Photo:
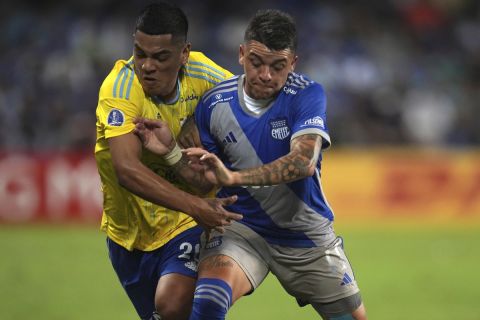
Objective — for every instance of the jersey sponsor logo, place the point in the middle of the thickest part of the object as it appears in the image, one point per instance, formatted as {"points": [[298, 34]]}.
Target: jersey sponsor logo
{"points": [[219, 99], [315, 121], [288, 90], [214, 242], [115, 118], [189, 98], [280, 129]]}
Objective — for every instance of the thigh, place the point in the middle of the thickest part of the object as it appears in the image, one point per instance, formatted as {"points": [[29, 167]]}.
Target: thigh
{"points": [[176, 269], [139, 288], [240, 244], [315, 275], [180, 255]]}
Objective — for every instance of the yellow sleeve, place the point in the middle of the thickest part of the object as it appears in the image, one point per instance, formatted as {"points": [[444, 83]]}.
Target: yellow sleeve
{"points": [[121, 100], [117, 116]]}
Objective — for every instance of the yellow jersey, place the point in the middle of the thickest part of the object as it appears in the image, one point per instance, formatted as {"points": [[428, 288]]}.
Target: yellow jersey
{"points": [[127, 219]]}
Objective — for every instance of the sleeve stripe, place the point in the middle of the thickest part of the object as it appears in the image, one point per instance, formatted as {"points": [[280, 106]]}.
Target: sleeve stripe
{"points": [[123, 74], [120, 74], [129, 87], [127, 71], [196, 63], [201, 77], [205, 71]]}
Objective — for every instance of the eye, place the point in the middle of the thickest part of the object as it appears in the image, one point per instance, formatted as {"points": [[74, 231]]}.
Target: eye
{"points": [[162, 58], [255, 62], [139, 54], [279, 67]]}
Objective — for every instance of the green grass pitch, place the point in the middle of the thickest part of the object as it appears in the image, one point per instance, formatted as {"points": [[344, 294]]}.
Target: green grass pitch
{"points": [[63, 272]]}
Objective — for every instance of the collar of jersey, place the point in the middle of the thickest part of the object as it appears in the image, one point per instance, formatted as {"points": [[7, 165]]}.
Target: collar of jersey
{"points": [[172, 101]]}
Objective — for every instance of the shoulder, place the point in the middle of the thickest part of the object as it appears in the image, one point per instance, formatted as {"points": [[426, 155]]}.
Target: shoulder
{"points": [[222, 92], [301, 84], [200, 66], [121, 82]]}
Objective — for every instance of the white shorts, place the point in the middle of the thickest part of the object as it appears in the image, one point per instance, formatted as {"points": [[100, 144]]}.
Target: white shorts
{"points": [[312, 275]]}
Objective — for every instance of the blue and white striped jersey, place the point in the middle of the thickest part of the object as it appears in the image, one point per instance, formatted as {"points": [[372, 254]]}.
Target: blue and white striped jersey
{"points": [[295, 214]]}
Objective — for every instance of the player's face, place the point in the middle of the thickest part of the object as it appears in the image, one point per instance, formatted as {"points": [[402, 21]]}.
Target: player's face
{"points": [[157, 62], [266, 71]]}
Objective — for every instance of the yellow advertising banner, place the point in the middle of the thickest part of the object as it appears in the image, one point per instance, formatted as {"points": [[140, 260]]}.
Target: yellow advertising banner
{"points": [[439, 184]]}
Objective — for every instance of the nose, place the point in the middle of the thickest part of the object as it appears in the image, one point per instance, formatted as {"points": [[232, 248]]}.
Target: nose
{"points": [[265, 74], [148, 66]]}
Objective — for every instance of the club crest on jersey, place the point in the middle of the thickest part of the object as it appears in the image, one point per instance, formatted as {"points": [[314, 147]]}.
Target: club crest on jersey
{"points": [[115, 118], [280, 129]]}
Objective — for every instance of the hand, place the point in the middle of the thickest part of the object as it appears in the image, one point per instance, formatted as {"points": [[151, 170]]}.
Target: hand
{"points": [[189, 136], [155, 135], [211, 214], [212, 167]]}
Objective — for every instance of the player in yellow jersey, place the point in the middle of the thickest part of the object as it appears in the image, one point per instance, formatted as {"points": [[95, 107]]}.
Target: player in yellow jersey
{"points": [[150, 216]]}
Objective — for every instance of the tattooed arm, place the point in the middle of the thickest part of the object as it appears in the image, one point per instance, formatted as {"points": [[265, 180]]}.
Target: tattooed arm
{"points": [[299, 163], [157, 137]]}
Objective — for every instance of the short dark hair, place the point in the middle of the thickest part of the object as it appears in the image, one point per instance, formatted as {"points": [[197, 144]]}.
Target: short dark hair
{"points": [[163, 18], [273, 28]]}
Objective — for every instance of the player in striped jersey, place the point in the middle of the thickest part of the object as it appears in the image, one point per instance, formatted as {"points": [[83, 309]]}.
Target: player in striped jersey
{"points": [[263, 133], [149, 215]]}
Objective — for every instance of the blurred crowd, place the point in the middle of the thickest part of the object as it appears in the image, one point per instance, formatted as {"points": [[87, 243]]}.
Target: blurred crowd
{"points": [[396, 72]]}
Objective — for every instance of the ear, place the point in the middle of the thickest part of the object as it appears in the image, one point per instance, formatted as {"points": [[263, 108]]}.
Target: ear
{"points": [[241, 54], [294, 63], [186, 53]]}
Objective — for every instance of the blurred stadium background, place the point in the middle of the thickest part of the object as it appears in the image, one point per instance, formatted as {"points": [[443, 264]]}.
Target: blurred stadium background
{"points": [[403, 85]]}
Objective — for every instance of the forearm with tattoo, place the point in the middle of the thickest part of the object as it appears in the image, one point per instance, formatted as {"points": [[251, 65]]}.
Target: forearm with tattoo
{"points": [[195, 179], [297, 164]]}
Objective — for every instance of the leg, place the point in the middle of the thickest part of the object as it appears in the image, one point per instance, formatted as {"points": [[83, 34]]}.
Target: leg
{"points": [[225, 268], [349, 308], [221, 282], [177, 274], [174, 296], [128, 266], [322, 277], [231, 266]]}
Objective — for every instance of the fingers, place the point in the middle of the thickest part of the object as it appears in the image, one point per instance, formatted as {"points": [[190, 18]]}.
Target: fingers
{"points": [[195, 152], [219, 229], [138, 120], [233, 216], [228, 201], [148, 123]]}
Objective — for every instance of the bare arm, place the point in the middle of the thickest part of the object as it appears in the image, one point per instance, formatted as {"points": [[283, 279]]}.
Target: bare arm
{"points": [[157, 137], [195, 179], [133, 175], [299, 163], [189, 136]]}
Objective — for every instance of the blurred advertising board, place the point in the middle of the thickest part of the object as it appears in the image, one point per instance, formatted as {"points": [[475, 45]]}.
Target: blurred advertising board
{"points": [[419, 184], [53, 187]]}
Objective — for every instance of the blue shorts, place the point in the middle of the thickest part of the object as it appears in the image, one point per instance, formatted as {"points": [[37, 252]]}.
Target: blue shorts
{"points": [[139, 271]]}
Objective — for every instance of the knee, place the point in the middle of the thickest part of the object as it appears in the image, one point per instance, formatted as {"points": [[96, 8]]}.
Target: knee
{"points": [[173, 310]]}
